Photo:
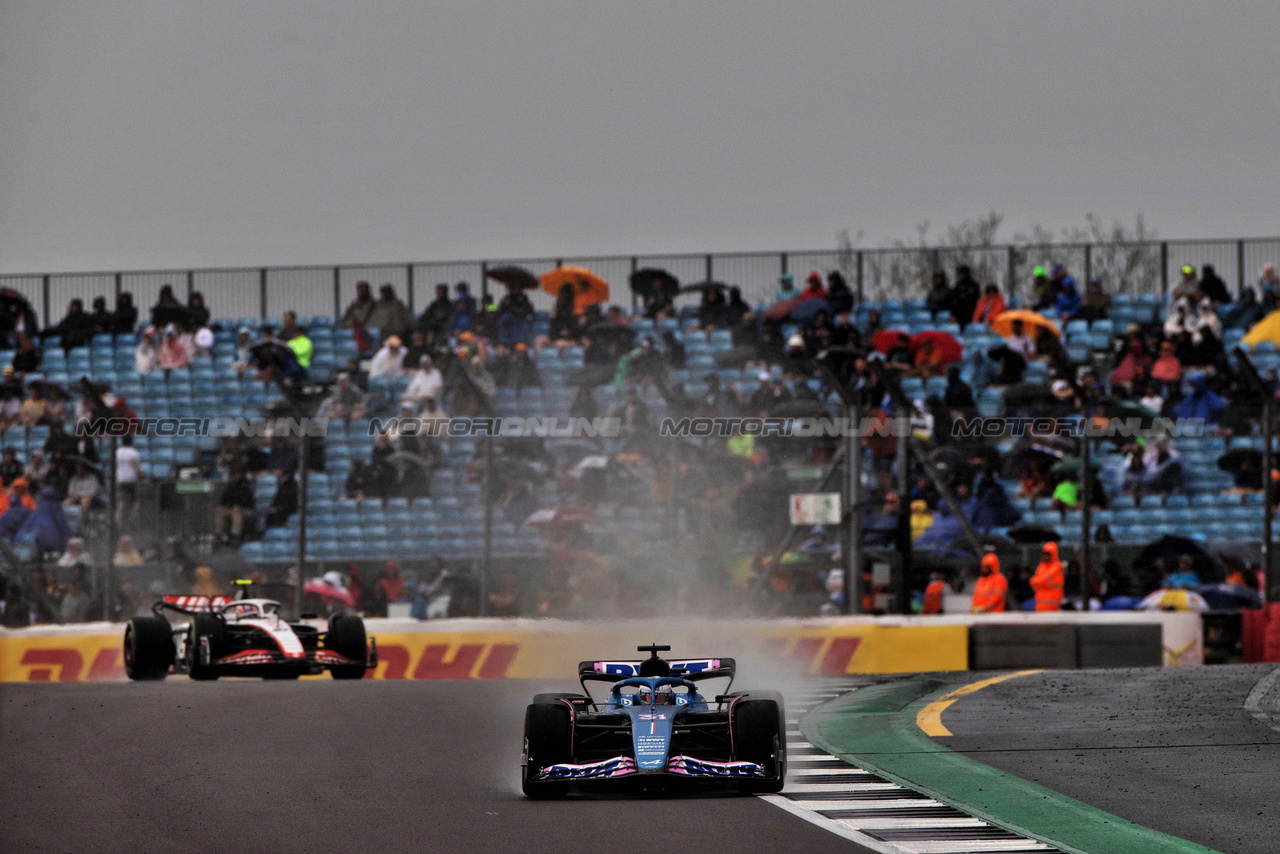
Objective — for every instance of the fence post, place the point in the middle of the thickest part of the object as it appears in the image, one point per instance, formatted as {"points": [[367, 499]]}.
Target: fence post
{"points": [[262, 294], [484, 279], [408, 269], [1011, 277], [337, 294], [1088, 264], [635, 265], [784, 264], [191, 283], [45, 282], [860, 290], [1164, 269], [120, 285], [1239, 267], [709, 269]]}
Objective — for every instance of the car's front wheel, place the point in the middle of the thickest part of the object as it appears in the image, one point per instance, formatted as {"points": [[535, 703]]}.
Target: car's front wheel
{"points": [[347, 638], [148, 648], [547, 741]]}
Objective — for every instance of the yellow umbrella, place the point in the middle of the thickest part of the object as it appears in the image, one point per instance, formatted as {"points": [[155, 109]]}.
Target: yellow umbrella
{"points": [[1266, 329], [588, 288], [1167, 599], [1003, 324]]}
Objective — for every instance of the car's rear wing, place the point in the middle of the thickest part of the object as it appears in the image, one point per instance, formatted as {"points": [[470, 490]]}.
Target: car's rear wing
{"points": [[191, 604], [693, 669]]}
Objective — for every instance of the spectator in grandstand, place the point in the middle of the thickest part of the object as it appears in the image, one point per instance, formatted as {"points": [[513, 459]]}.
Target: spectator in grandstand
{"points": [[1021, 341], [1068, 302], [27, 359], [584, 405], [965, 296], [299, 343], [84, 488], [1268, 287], [1246, 312], [515, 311], [125, 318], [200, 315], [389, 315], [813, 286], [673, 350], [1096, 304], [17, 495], [1201, 403], [524, 371], [786, 288], [1212, 287], [1167, 368], [76, 328], [1188, 286], [486, 323], [10, 466], [711, 309], [128, 475], [289, 326], [345, 402], [359, 309], [564, 329], [74, 607], [10, 399], [391, 587], [427, 382], [838, 293], [435, 321], [418, 347], [127, 553], [100, 317], [481, 378], [244, 352], [285, 502], [388, 362], [37, 470], [1208, 327], [958, 396], [463, 317], [990, 305], [736, 309], [173, 354], [770, 393], [35, 408]]}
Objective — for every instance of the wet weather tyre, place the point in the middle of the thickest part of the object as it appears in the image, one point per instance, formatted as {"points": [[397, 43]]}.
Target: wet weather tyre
{"points": [[547, 735], [759, 735], [148, 649], [205, 627], [347, 637]]}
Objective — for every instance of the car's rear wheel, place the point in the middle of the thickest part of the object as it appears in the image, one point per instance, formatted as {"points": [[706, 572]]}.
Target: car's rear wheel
{"points": [[210, 629], [547, 737], [148, 648], [759, 735], [347, 638]]}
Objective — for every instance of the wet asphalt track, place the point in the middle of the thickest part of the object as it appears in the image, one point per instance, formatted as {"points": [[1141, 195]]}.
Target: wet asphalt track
{"points": [[1170, 748], [314, 766]]}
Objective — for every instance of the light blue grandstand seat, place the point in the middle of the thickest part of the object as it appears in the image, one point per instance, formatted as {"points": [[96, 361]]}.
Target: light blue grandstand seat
{"points": [[1177, 501], [1203, 500], [251, 552]]}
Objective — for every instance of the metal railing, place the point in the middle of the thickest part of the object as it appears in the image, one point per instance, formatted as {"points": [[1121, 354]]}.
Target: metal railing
{"points": [[873, 274]]}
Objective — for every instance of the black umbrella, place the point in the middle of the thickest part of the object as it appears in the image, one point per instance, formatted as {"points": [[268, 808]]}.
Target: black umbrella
{"points": [[650, 280], [1171, 546], [952, 465], [699, 287], [516, 277], [1071, 466], [1034, 534], [1022, 459], [1229, 597], [14, 307], [165, 313], [89, 464], [1245, 466], [403, 459]]}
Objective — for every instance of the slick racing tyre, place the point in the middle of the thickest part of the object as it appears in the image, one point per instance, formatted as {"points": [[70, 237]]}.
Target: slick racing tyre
{"points": [[347, 638], [148, 648], [546, 742], [759, 735], [205, 627]]}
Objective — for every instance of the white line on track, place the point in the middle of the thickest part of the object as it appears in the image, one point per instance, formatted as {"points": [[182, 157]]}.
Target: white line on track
{"points": [[875, 813]]}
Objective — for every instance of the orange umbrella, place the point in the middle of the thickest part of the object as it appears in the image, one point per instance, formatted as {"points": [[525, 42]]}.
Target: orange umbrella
{"points": [[588, 288], [1031, 320]]}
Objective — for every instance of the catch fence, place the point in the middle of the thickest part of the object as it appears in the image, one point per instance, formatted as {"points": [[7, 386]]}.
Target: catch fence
{"points": [[873, 274]]}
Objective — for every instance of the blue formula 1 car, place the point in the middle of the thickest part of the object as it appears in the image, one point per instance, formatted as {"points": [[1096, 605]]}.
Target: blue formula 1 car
{"points": [[654, 730]]}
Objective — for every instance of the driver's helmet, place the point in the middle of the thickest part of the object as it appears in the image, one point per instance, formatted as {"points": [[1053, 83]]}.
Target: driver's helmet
{"points": [[664, 696], [644, 695], [242, 611]]}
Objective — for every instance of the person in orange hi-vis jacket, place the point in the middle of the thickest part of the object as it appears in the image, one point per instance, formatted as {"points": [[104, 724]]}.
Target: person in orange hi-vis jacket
{"points": [[1048, 581], [992, 589], [933, 594]]}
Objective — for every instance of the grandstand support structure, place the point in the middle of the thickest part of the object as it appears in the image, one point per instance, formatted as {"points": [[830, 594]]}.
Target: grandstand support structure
{"points": [[1085, 474]]}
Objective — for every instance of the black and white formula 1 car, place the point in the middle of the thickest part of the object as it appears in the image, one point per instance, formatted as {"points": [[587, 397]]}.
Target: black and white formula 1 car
{"points": [[218, 636], [654, 730]]}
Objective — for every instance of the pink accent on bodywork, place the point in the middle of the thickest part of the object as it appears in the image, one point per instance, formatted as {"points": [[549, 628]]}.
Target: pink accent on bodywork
{"points": [[573, 716], [732, 751]]}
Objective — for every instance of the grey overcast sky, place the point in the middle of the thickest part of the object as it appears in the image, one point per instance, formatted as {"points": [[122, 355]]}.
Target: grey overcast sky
{"points": [[209, 133]]}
